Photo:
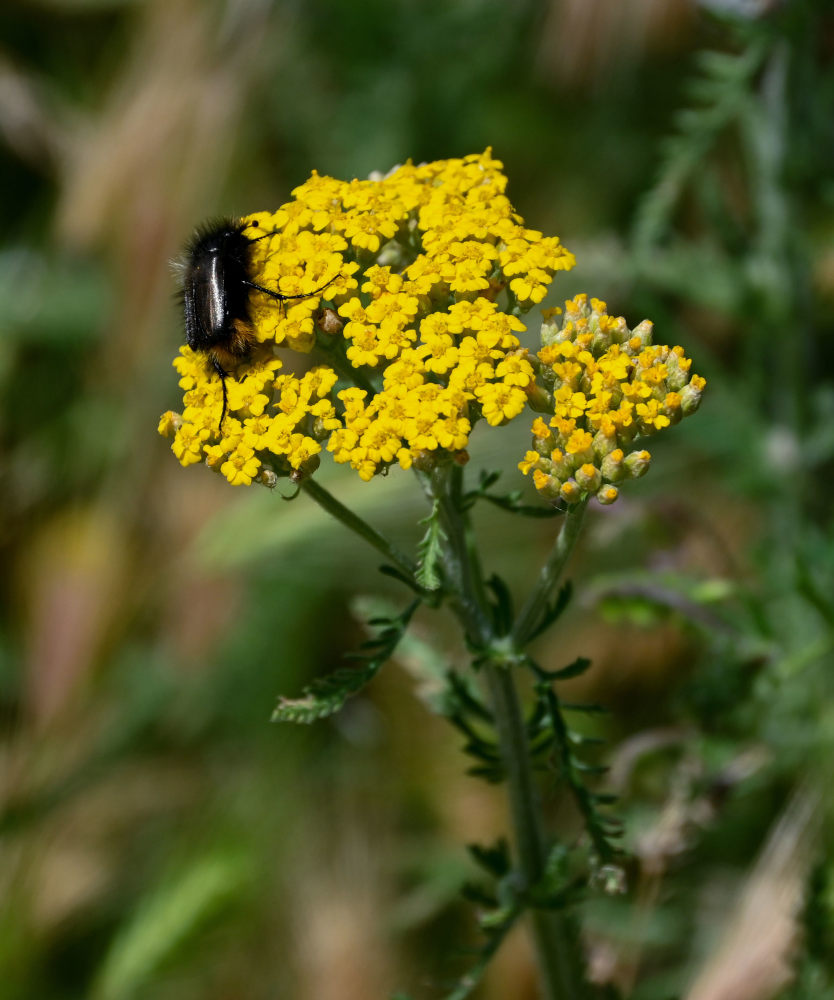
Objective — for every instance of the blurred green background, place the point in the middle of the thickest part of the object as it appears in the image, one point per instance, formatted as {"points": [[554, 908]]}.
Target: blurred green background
{"points": [[158, 837]]}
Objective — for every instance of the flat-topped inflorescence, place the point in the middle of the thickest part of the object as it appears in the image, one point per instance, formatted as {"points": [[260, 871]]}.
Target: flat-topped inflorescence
{"points": [[409, 291]]}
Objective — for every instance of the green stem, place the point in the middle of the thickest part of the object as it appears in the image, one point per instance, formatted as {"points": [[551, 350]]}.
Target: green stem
{"points": [[328, 502], [530, 615], [556, 941], [470, 551]]}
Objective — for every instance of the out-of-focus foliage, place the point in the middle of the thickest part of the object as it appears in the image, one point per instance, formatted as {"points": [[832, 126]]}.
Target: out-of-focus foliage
{"points": [[158, 837]]}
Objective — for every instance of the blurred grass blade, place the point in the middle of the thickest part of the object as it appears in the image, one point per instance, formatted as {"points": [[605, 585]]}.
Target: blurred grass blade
{"points": [[171, 914]]}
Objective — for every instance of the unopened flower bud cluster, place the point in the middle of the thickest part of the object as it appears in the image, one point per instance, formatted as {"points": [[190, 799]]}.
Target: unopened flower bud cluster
{"points": [[602, 387]]}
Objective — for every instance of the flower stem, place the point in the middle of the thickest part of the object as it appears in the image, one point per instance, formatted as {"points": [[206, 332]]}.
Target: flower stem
{"points": [[559, 954], [325, 499], [530, 615], [558, 950], [556, 941]]}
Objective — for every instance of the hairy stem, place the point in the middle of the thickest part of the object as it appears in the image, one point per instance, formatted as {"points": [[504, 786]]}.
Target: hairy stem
{"points": [[530, 615], [556, 943], [555, 937]]}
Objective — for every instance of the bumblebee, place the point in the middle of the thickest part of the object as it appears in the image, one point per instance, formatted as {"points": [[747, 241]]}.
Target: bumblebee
{"points": [[217, 283]]}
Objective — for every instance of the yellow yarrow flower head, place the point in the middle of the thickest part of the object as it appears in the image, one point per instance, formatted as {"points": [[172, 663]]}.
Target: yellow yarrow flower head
{"points": [[408, 290], [604, 387]]}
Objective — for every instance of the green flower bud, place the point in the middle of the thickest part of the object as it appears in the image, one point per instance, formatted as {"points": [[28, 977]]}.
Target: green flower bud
{"points": [[643, 332], [613, 467], [425, 461], [691, 395], [601, 342], [637, 463], [550, 326], [544, 441], [676, 377], [538, 399], [607, 495], [589, 477], [320, 431], [571, 491], [549, 486], [604, 444], [672, 407], [562, 464]]}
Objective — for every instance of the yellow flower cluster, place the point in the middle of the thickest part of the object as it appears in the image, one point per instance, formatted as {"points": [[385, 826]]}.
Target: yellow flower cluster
{"points": [[303, 408], [410, 289], [414, 285], [605, 386]]}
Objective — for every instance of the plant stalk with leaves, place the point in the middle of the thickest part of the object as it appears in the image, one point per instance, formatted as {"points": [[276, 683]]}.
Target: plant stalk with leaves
{"points": [[505, 744], [410, 292]]}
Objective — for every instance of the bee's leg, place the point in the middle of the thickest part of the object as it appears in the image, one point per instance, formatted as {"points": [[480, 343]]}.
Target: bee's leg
{"points": [[284, 298], [221, 371]]}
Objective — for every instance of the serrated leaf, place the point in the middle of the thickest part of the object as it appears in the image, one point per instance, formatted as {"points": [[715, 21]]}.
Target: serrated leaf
{"points": [[553, 610], [495, 925], [591, 769], [327, 694], [512, 502], [574, 669], [581, 740], [508, 501], [480, 895], [482, 751], [493, 775], [398, 574], [430, 550], [721, 90], [495, 858], [502, 607], [587, 708], [489, 478], [462, 699], [566, 764]]}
